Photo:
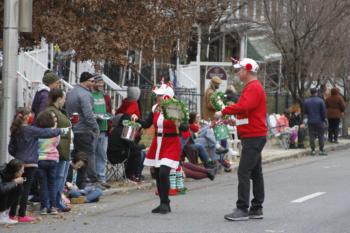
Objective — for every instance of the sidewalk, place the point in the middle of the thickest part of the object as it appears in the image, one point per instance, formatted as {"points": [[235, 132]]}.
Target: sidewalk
{"points": [[271, 153]]}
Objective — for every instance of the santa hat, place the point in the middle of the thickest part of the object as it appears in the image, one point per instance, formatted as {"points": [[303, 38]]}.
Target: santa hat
{"points": [[165, 90]]}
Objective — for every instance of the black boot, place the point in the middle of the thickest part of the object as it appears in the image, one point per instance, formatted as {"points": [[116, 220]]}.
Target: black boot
{"points": [[163, 208], [221, 150], [211, 174]]}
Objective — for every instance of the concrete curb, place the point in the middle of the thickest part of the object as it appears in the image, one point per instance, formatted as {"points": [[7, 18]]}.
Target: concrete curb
{"points": [[120, 190], [305, 152]]}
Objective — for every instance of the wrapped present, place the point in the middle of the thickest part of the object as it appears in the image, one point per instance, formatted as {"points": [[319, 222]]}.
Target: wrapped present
{"points": [[221, 132], [180, 186]]}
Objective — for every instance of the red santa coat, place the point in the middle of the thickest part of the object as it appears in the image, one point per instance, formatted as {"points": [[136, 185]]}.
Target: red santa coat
{"points": [[164, 150]]}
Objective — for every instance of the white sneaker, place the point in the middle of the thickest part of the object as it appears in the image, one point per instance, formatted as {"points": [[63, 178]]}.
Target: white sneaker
{"points": [[5, 219]]}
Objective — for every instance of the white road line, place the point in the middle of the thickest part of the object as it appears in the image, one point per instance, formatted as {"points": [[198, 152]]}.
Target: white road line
{"points": [[305, 198]]}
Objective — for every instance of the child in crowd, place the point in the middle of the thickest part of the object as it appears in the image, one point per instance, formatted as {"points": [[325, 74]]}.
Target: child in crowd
{"points": [[80, 196], [24, 147], [10, 188], [48, 160], [296, 120]]}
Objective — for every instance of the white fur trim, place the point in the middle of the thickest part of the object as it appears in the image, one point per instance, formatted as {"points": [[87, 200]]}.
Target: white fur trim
{"points": [[154, 107], [166, 162], [160, 121]]}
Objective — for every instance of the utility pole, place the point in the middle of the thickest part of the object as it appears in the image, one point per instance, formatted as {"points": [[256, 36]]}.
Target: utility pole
{"points": [[8, 100]]}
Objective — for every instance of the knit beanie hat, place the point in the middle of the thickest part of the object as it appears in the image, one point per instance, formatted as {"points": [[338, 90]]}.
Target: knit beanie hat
{"points": [[85, 76], [134, 93], [49, 78], [98, 78]]}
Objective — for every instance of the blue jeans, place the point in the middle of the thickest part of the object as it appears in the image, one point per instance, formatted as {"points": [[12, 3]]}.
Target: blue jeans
{"points": [[101, 156], [92, 194], [47, 173], [203, 154], [140, 167], [61, 177]]}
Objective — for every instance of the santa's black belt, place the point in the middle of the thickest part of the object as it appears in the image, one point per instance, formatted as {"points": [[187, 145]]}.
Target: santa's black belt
{"points": [[167, 135]]}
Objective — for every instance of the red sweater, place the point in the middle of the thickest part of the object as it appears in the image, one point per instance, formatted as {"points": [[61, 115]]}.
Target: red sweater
{"points": [[251, 105]]}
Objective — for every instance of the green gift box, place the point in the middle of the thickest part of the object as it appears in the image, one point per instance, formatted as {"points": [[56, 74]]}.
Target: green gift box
{"points": [[221, 132]]}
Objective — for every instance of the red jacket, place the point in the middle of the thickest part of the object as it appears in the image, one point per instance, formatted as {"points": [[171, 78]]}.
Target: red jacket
{"points": [[130, 107], [251, 105]]}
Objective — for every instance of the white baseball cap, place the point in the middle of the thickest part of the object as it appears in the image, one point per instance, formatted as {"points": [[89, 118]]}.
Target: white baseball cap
{"points": [[247, 64]]}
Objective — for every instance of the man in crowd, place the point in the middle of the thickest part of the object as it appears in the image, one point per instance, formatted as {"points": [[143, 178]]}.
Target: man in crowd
{"points": [[86, 130], [102, 105], [251, 125], [315, 109], [209, 110]]}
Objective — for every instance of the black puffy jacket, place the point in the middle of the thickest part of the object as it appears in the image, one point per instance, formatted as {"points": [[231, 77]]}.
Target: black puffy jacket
{"points": [[6, 185]]}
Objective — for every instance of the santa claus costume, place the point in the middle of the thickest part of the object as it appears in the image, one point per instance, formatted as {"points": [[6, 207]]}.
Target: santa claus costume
{"points": [[164, 152]]}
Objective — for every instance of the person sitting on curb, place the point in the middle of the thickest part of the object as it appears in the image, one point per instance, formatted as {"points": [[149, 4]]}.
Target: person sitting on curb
{"points": [[10, 188], [79, 196], [197, 172]]}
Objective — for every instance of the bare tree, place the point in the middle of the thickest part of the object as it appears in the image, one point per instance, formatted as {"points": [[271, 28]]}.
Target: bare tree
{"points": [[301, 30]]}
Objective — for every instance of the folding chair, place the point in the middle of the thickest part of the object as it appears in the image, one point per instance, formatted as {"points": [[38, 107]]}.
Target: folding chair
{"points": [[115, 168], [283, 136]]}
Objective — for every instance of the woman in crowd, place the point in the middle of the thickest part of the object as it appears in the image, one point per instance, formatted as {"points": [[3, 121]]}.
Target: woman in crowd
{"points": [[24, 146], [10, 188], [118, 147], [55, 105], [164, 152], [335, 110]]}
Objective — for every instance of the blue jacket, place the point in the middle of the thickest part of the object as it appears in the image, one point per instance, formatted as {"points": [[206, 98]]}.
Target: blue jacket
{"points": [[315, 109], [26, 143]]}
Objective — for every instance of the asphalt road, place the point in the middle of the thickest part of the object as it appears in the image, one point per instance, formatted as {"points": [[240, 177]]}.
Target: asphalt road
{"points": [[305, 195]]}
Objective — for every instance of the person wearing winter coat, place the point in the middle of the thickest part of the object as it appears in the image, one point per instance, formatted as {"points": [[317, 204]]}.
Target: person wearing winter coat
{"points": [[11, 181], [86, 130], [50, 81], [208, 108], [55, 105], [130, 105], [335, 110], [120, 149]]}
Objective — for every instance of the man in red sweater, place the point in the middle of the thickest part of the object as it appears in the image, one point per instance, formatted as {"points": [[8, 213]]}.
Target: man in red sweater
{"points": [[250, 111]]}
